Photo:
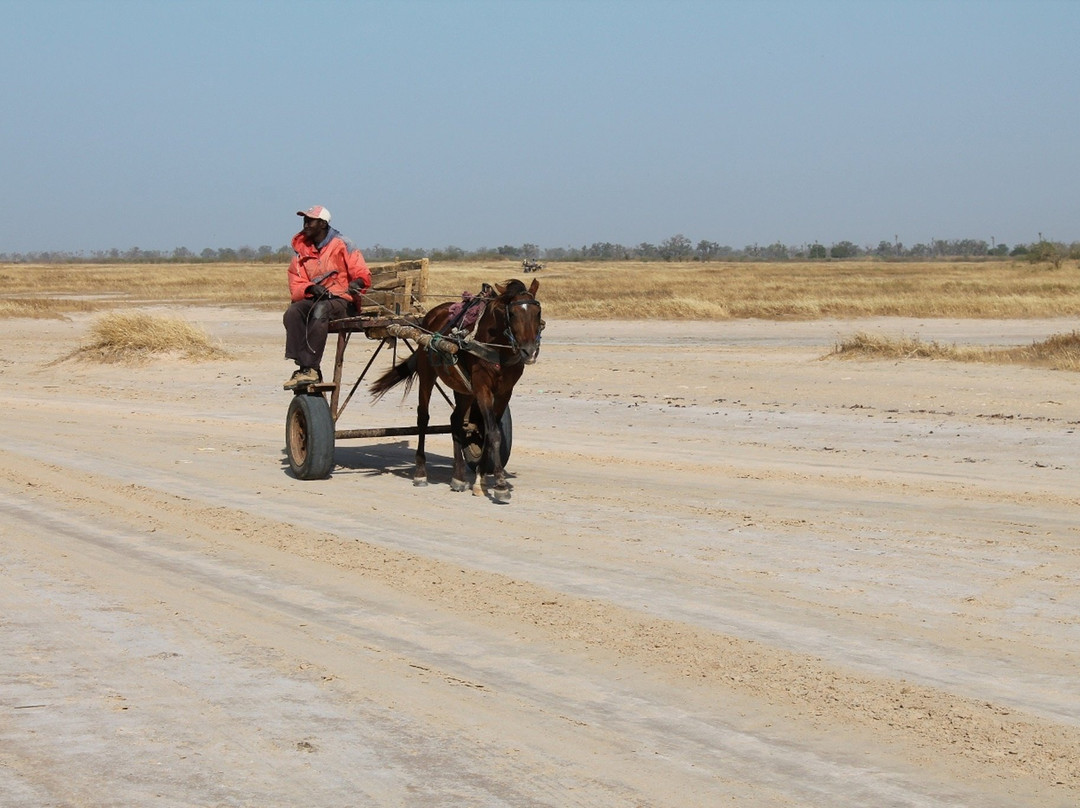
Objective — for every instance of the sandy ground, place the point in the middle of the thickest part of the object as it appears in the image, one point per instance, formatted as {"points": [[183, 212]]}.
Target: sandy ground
{"points": [[730, 573]]}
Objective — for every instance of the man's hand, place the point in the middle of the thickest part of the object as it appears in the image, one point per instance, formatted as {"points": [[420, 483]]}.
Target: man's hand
{"points": [[317, 291], [357, 287]]}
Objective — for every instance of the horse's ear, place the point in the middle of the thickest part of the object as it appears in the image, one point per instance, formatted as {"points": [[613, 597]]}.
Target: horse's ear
{"points": [[534, 286], [500, 288]]}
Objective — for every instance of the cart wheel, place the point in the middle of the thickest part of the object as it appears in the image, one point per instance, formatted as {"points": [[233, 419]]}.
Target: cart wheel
{"points": [[309, 437], [473, 444]]}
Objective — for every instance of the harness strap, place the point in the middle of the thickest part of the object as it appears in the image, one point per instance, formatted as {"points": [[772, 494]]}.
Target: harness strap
{"points": [[481, 350], [464, 378]]}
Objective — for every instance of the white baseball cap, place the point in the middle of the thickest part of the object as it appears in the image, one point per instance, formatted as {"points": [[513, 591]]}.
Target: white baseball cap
{"points": [[315, 212]]}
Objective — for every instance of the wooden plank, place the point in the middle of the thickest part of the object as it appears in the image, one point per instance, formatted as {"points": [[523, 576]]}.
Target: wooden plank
{"points": [[398, 288], [406, 294]]}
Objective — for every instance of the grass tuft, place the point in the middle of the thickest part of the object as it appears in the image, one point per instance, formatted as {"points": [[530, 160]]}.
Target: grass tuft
{"points": [[1057, 352], [134, 337], [873, 346]]}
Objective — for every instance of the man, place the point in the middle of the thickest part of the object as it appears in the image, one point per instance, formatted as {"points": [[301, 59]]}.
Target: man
{"points": [[327, 274]]}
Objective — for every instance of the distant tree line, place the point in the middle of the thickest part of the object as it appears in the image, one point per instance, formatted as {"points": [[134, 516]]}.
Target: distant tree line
{"points": [[181, 255], [675, 248]]}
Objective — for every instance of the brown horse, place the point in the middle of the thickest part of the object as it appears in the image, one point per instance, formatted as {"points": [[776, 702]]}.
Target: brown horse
{"points": [[487, 366]]}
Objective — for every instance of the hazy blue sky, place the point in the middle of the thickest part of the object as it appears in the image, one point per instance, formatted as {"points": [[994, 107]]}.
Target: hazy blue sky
{"points": [[557, 122]]}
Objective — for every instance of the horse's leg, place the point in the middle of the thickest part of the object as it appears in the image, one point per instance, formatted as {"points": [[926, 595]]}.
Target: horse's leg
{"points": [[478, 480], [492, 448], [459, 482], [427, 384]]}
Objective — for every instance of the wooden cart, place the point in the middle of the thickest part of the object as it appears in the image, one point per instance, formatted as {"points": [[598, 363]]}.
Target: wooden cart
{"points": [[390, 315]]}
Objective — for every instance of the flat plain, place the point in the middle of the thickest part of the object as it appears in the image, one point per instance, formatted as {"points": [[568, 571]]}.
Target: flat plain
{"points": [[732, 572]]}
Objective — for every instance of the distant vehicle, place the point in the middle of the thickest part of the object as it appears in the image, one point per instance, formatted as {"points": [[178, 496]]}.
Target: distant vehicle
{"points": [[531, 266]]}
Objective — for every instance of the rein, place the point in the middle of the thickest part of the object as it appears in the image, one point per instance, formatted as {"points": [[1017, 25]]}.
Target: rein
{"points": [[491, 352]]}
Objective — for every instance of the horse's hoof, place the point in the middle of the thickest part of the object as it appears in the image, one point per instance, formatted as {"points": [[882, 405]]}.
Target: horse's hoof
{"points": [[501, 494], [458, 485], [419, 482]]}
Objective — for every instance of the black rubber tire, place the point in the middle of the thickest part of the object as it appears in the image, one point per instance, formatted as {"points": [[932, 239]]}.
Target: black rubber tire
{"points": [[309, 437], [506, 431], [506, 427]]}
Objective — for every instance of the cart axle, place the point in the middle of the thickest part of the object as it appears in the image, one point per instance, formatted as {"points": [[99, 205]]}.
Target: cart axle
{"points": [[383, 432]]}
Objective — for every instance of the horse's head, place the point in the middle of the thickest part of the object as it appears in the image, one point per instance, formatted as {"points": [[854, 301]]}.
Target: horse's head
{"points": [[523, 320]]}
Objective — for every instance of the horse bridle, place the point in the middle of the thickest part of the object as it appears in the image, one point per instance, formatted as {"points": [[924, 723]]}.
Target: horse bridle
{"points": [[509, 332]]}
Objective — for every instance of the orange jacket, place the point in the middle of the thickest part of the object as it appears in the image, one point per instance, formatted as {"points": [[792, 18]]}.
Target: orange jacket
{"points": [[336, 255]]}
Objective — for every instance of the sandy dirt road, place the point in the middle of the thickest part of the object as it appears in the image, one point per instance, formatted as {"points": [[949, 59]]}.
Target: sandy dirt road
{"points": [[730, 573]]}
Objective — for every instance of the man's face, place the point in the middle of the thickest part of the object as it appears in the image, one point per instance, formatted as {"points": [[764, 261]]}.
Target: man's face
{"points": [[315, 230]]}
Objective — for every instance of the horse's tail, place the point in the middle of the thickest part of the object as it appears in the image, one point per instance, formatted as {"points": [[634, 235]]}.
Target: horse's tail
{"points": [[402, 372]]}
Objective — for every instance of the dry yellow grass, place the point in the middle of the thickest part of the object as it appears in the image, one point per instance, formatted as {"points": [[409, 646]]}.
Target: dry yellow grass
{"points": [[1057, 352], [786, 291], [133, 337], [37, 308], [610, 290], [67, 288], [600, 290]]}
